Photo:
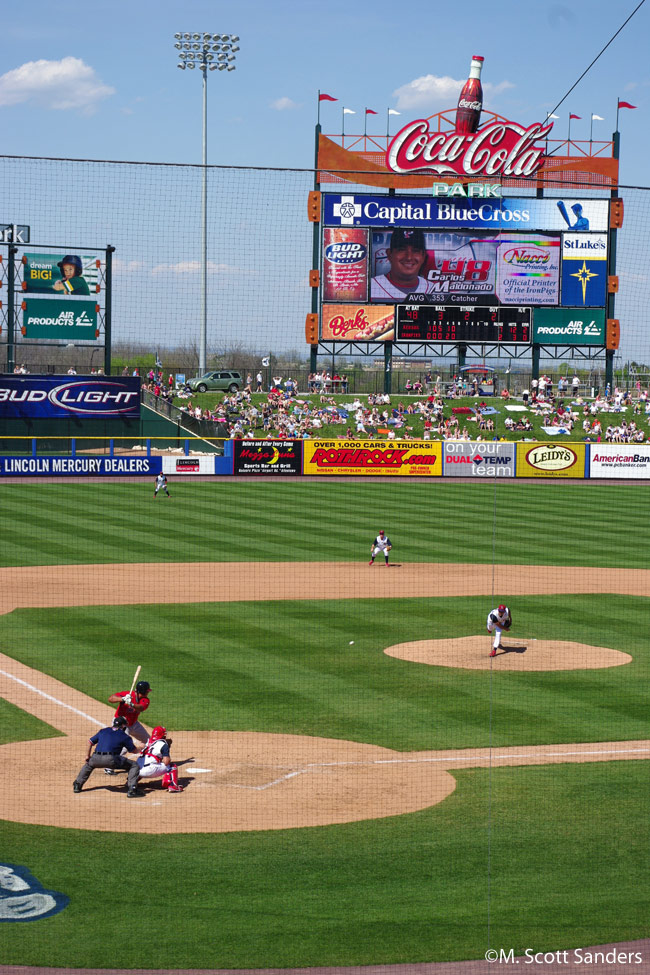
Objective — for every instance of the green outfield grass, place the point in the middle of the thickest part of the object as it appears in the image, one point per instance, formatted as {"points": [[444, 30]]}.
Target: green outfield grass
{"points": [[550, 856], [288, 667], [567, 867], [323, 520]]}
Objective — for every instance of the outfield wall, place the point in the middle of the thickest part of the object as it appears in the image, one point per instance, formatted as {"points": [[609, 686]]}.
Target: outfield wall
{"points": [[295, 458]]}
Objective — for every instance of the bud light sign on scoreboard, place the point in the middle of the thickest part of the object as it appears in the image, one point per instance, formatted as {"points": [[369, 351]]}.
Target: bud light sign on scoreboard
{"points": [[57, 396]]}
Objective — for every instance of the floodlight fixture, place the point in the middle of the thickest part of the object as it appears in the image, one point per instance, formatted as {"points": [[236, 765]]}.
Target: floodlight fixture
{"points": [[196, 53]]}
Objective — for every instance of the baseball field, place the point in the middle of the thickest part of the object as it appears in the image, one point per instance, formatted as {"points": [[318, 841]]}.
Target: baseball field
{"points": [[364, 784]]}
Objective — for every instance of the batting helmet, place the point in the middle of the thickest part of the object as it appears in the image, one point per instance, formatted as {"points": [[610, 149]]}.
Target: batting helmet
{"points": [[502, 608], [158, 733], [143, 686], [73, 259], [119, 722]]}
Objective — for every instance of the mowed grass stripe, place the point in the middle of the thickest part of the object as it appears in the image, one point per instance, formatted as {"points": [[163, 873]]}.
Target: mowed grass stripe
{"points": [[316, 520], [288, 667], [568, 867]]}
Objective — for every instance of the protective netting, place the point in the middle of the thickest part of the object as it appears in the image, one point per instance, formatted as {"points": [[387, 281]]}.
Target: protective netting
{"points": [[259, 249]]}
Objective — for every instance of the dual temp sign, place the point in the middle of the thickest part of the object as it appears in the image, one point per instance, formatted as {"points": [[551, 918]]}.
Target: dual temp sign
{"points": [[83, 396]]}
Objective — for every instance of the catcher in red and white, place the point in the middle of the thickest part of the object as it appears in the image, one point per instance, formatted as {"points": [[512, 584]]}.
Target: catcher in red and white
{"points": [[155, 761]]}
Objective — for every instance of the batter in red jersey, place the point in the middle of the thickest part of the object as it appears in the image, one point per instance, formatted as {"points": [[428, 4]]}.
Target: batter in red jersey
{"points": [[131, 704]]}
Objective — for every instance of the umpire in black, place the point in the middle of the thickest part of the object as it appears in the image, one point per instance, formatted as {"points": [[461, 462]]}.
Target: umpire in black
{"points": [[109, 744]]}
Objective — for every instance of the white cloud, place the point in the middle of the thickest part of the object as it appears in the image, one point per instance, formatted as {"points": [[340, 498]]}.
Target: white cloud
{"points": [[194, 267], [433, 92], [284, 103], [126, 267], [63, 85]]}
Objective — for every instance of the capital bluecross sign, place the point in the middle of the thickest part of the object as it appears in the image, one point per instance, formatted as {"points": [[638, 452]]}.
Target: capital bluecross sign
{"points": [[569, 326], [65, 319], [58, 396]]}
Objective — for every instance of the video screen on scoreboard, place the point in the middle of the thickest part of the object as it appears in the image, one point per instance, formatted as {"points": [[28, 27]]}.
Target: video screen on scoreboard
{"points": [[462, 267]]}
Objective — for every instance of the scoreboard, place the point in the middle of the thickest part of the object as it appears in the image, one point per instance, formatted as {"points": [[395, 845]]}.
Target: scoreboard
{"points": [[463, 323], [513, 270]]}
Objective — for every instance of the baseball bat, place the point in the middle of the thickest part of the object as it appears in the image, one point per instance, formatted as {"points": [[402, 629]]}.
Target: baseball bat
{"points": [[561, 207], [135, 677]]}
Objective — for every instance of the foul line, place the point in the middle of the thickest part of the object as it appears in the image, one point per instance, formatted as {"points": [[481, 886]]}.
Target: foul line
{"points": [[446, 759], [49, 697]]}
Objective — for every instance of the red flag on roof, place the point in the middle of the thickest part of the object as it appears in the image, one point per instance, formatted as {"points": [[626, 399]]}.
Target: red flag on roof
{"points": [[574, 116], [326, 98], [625, 105]]}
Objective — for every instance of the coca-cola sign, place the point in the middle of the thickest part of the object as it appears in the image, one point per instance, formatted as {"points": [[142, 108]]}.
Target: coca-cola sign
{"points": [[496, 149]]}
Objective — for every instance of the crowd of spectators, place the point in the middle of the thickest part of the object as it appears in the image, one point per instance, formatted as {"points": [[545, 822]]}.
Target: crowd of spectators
{"points": [[285, 414]]}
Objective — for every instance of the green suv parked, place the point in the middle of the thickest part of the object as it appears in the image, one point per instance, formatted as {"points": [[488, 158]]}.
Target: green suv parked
{"points": [[220, 379]]}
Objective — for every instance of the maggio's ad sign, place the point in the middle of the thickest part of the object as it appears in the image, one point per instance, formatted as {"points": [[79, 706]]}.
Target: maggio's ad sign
{"points": [[551, 460], [400, 457]]}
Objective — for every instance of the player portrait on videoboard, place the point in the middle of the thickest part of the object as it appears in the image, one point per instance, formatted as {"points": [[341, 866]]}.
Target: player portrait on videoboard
{"points": [[431, 267]]}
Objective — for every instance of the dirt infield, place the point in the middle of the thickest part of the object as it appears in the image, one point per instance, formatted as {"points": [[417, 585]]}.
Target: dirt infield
{"points": [[197, 582]]}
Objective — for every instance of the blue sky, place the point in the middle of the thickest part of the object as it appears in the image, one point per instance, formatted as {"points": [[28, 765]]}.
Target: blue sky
{"points": [[100, 80]]}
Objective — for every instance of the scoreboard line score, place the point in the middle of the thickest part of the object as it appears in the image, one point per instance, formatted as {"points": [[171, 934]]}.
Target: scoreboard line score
{"points": [[463, 323]]}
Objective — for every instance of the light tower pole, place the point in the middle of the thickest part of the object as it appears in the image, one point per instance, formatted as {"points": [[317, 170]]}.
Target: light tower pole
{"points": [[208, 52]]}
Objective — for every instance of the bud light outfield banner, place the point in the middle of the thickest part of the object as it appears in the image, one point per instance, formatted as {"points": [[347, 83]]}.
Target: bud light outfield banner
{"points": [[94, 397]]}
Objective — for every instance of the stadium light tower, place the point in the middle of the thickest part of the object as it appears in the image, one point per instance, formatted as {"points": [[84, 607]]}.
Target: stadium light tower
{"points": [[207, 52]]}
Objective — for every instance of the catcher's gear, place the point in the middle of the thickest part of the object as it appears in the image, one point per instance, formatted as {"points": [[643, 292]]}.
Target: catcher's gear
{"points": [[143, 687], [158, 733], [119, 722]]}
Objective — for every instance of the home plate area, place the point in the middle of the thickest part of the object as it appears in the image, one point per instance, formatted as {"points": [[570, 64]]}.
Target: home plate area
{"points": [[232, 781]]}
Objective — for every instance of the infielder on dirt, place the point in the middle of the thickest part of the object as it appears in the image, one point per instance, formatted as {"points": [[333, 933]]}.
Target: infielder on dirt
{"points": [[381, 543], [155, 761], [499, 619]]}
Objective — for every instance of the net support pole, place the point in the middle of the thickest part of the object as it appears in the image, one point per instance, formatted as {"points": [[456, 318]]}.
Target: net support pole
{"points": [[108, 308], [11, 307]]}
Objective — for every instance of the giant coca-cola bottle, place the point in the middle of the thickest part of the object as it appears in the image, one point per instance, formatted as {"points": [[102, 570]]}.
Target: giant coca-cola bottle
{"points": [[470, 102]]}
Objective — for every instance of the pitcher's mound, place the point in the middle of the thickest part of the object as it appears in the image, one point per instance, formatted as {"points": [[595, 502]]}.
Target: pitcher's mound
{"points": [[521, 653]]}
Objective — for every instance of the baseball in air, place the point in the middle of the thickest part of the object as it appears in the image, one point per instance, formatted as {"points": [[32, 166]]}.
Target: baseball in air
{"points": [[351, 642]]}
